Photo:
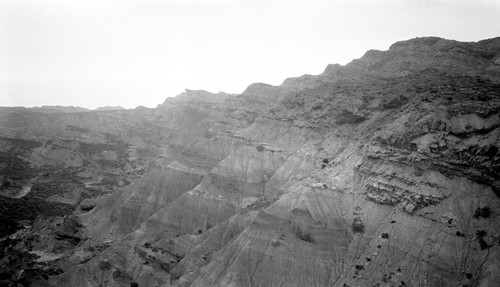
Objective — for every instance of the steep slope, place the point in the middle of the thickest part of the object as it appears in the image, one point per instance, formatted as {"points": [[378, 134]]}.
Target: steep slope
{"points": [[382, 172]]}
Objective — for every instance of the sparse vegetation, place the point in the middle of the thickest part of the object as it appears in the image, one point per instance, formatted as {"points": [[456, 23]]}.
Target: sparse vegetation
{"points": [[14, 210], [96, 148]]}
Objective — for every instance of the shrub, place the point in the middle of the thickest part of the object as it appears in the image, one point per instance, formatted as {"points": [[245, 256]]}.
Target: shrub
{"points": [[394, 102], [484, 212], [317, 108], [481, 233], [482, 243], [105, 265], [492, 151], [357, 226], [304, 236], [260, 148]]}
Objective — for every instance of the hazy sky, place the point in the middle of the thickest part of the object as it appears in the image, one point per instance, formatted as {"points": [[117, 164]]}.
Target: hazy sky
{"points": [[139, 52]]}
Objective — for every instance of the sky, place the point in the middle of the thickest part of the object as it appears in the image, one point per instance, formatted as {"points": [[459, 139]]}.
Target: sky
{"points": [[94, 53]]}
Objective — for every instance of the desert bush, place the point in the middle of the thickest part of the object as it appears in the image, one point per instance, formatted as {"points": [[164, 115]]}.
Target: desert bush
{"points": [[260, 148], [317, 108], [105, 265], [484, 212], [302, 235], [357, 226], [276, 243], [480, 237]]}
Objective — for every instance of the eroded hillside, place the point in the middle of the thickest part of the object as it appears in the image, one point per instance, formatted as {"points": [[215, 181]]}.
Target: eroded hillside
{"points": [[382, 172]]}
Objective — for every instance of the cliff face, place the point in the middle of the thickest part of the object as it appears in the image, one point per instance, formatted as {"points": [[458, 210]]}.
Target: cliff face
{"points": [[383, 172]]}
